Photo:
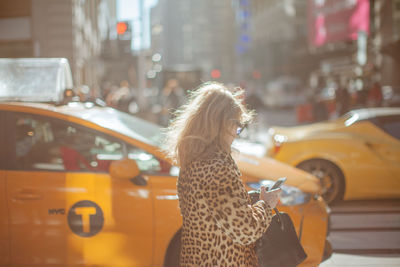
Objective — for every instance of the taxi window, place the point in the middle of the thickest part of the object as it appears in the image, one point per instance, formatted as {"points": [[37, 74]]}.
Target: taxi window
{"points": [[389, 124], [34, 145], [54, 145]]}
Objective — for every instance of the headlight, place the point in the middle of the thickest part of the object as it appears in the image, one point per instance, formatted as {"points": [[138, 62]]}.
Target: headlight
{"points": [[289, 196]]}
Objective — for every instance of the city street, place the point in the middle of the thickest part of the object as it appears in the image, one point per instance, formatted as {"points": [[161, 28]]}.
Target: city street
{"points": [[128, 135], [127, 128]]}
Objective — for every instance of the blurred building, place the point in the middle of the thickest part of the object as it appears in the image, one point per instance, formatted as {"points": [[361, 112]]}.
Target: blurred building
{"points": [[386, 41], [196, 34], [338, 33], [345, 43], [74, 29], [272, 35], [355, 42]]}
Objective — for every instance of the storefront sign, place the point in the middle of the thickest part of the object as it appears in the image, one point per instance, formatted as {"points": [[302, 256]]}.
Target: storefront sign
{"points": [[336, 20]]}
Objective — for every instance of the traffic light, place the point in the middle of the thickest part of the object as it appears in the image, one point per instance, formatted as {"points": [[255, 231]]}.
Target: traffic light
{"points": [[124, 30], [256, 74], [215, 73], [122, 27]]}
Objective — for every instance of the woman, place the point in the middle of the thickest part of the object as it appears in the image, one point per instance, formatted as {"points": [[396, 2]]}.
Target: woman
{"points": [[220, 225]]}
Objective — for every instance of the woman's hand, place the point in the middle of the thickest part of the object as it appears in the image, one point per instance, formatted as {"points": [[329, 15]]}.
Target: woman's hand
{"points": [[270, 197]]}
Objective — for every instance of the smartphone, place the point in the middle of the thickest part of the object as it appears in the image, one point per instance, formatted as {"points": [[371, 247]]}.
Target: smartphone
{"points": [[278, 183]]}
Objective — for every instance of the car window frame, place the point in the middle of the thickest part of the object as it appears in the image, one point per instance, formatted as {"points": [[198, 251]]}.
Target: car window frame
{"points": [[3, 143], [10, 124], [9, 140]]}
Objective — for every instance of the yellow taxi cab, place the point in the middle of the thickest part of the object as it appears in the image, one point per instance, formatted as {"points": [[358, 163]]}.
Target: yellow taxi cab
{"points": [[356, 156], [88, 185]]}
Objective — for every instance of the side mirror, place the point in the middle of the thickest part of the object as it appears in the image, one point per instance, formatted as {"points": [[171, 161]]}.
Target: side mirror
{"points": [[124, 169]]}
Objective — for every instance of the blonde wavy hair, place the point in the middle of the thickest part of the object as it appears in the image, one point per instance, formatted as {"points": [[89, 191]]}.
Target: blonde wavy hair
{"points": [[202, 125]]}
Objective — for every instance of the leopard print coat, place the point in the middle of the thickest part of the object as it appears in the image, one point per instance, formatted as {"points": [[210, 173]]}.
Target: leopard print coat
{"points": [[220, 225]]}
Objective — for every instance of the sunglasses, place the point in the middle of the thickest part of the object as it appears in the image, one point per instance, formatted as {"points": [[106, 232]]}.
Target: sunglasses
{"points": [[240, 128]]}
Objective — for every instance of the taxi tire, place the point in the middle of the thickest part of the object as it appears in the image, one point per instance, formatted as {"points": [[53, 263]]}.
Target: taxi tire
{"points": [[173, 251], [327, 166]]}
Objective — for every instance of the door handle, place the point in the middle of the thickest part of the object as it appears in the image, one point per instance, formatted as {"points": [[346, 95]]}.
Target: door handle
{"points": [[372, 146], [139, 180], [27, 195]]}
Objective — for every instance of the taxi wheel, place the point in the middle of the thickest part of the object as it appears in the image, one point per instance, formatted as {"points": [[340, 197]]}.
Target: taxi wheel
{"points": [[331, 178], [173, 251]]}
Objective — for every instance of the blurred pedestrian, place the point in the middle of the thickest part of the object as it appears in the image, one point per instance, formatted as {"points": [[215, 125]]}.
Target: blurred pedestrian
{"points": [[106, 90], [253, 99], [375, 96], [83, 93], [304, 111], [342, 99], [319, 108], [172, 96], [220, 225], [362, 96], [123, 98]]}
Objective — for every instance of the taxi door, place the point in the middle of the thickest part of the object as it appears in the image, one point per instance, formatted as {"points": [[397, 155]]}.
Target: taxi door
{"points": [[4, 227], [64, 207]]}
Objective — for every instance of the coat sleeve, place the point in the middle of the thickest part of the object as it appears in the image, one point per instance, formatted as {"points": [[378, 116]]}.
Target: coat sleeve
{"points": [[242, 222]]}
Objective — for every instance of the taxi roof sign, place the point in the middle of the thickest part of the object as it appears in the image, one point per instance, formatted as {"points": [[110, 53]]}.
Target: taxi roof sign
{"points": [[34, 79]]}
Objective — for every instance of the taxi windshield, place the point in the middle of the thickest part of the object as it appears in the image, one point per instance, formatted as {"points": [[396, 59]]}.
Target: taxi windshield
{"points": [[116, 121], [150, 131]]}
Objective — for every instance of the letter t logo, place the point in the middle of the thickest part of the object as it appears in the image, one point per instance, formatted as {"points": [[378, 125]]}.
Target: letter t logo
{"points": [[85, 213]]}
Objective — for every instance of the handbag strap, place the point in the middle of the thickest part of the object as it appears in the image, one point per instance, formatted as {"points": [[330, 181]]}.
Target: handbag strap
{"points": [[301, 227], [279, 218], [277, 212]]}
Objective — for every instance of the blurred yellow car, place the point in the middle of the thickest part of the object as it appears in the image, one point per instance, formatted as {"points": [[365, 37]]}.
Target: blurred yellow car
{"points": [[356, 156], [88, 185]]}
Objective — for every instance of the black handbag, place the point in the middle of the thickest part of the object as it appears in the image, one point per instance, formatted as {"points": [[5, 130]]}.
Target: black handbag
{"points": [[279, 246]]}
